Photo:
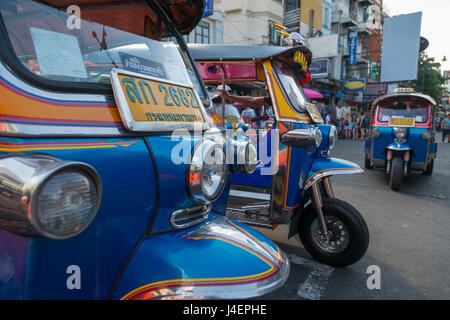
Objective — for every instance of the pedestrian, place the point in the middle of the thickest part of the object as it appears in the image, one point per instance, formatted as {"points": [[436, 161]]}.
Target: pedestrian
{"points": [[328, 118], [348, 126], [340, 127], [446, 129], [356, 126], [364, 125]]}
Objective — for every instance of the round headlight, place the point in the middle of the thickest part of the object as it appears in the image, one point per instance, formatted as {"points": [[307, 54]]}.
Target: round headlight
{"points": [[207, 172], [243, 155], [400, 133], [251, 158], [426, 135], [317, 134], [66, 204], [332, 137], [376, 133]]}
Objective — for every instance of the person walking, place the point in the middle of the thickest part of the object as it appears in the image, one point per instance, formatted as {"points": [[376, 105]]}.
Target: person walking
{"points": [[446, 129], [328, 118], [347, 126], [355, 127], [364, 125]]}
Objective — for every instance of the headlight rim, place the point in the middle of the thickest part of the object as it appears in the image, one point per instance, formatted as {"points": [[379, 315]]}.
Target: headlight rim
{"points": [[33, 188], [333, 130], [399, 131], [198, 196]]}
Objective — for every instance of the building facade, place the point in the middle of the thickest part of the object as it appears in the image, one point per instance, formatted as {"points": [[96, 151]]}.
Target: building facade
{"points": [[210, 30], [250, 21], [347, 52]]}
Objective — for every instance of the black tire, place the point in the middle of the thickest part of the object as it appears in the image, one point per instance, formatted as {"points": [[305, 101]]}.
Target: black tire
{"points": [[358, 233], [396, 177], [367, 164], [429, 170]]}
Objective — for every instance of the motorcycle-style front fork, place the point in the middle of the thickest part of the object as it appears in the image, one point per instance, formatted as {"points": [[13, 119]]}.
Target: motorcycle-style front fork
{"points": [[406, 158], [319, 189]]}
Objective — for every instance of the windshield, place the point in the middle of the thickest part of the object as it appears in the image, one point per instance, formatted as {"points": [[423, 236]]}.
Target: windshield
{"points": [[230, 111], [291, 85], [129, 35], [401, 109]]}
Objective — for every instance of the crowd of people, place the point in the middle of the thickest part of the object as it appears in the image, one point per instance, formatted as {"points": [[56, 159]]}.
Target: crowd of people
{"points": [[350, 125]]}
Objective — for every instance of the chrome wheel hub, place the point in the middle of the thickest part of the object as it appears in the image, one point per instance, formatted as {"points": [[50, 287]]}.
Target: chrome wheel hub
{"points": [[338, 236]]}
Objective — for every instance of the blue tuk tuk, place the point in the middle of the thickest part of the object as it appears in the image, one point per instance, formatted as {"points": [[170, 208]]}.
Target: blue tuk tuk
{"points": [[291, 184], [402, 135], [99, 198]]}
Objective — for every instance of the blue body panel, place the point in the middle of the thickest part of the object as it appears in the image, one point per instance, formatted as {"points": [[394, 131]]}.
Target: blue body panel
{"points": [[200, 258], [302, 164], [399, 146], [37, 266], [376, 149]]}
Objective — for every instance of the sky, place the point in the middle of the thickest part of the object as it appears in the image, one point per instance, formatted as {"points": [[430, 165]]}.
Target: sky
{"points": [[435, 24]]}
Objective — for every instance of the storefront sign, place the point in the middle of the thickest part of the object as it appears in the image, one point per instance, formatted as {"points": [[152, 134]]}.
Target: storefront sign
{"points": [[373, 91], [352, 46], [319, 68], [354, 85], [209, 8]]}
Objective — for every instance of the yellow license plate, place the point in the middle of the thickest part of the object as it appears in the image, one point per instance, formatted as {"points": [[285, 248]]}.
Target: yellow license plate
{"points": [[402, 122], [151, 100]]}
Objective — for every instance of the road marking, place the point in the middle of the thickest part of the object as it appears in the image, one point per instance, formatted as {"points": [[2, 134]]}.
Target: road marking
{"points": [[316, 282]]}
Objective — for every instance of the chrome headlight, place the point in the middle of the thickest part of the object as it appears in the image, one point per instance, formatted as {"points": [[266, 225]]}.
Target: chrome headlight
{"points": [[332, 137], [400, 133], [426, 135], [207, 172], [376, 133], [58, 199], [302, 138], [243, 155]]}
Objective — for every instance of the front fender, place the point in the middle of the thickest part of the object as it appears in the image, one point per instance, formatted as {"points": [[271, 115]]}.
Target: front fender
{"points": [[218, 259], [323, 167], [399, 146]]}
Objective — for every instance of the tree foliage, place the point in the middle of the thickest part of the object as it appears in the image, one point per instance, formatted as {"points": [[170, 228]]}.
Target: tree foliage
{"points": [[429, 78]]}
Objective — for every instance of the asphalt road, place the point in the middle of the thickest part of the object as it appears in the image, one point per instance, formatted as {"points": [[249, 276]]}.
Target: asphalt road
{"points": [[409, 237]]}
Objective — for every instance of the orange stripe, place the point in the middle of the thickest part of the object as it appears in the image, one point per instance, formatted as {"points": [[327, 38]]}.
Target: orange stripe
{"points": [[14, 104]]}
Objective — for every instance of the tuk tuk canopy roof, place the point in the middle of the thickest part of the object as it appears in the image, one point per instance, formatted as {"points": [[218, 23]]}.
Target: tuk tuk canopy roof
{"points": [[219, 52], [409, 95]]}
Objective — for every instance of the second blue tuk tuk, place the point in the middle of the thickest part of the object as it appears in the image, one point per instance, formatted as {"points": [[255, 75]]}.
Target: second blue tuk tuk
{"points": [[402, 135]]}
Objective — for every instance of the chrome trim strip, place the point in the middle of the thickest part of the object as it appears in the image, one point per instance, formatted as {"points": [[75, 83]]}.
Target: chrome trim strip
{"points": [[247, 194], [398, 148], [331, 172], [194, 214]]}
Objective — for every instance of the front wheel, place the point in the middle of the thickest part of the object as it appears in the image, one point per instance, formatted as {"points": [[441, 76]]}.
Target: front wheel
{"points": [[396, 173], [367, 164], [429, 170], [347, 230]]}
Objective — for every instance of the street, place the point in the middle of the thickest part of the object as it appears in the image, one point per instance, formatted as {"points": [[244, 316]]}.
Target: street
{"points": [[409, 237]]}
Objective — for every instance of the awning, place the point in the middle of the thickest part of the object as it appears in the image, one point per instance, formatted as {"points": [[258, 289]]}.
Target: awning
{"points": [[312, 94]]}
